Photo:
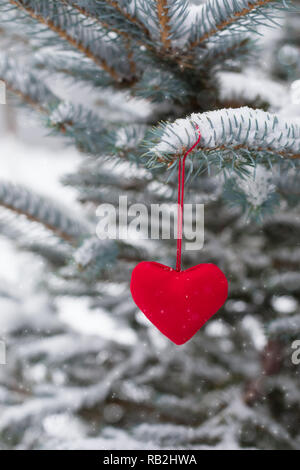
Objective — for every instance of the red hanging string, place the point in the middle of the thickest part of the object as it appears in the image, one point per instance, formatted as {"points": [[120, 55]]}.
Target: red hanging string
{"points": [[181, 172]]}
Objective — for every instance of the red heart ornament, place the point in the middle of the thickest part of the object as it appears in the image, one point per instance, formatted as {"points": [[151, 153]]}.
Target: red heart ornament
{"points": [[178, 303]]}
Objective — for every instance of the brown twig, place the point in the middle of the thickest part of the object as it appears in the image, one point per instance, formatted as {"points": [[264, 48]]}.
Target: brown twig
{"points": [[223, 147], [271, 363], [163, 18]]}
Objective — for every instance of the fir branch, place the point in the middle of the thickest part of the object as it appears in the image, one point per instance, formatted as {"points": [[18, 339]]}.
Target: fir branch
{"points": [[38, 209], [83, 11], [95, 256], [243, 129], [81, 125], [158, 85], [67, 37], [219, 15], [26, 99], [73, 66], [28, 87], [237, 46]]}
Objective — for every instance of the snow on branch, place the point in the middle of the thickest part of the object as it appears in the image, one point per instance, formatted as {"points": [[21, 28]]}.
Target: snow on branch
{"points": [[216, 16], [233, 129], [248, 88]]}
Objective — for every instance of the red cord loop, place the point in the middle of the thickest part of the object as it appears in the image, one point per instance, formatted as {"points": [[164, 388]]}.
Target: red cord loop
{"points": [[181, 172]]}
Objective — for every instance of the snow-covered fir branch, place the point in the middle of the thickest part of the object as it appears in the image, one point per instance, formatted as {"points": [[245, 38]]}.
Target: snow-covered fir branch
{"points": [[244, 128]]}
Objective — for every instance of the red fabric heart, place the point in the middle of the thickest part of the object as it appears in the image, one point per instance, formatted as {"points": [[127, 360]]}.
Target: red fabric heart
{"points": [[178, 303]]}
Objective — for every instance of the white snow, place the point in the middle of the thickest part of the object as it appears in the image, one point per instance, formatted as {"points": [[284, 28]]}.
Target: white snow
{"points": [[78, 315], [130, 137], [248, 85], [39, 167], [284, 304], [257, 187]]}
